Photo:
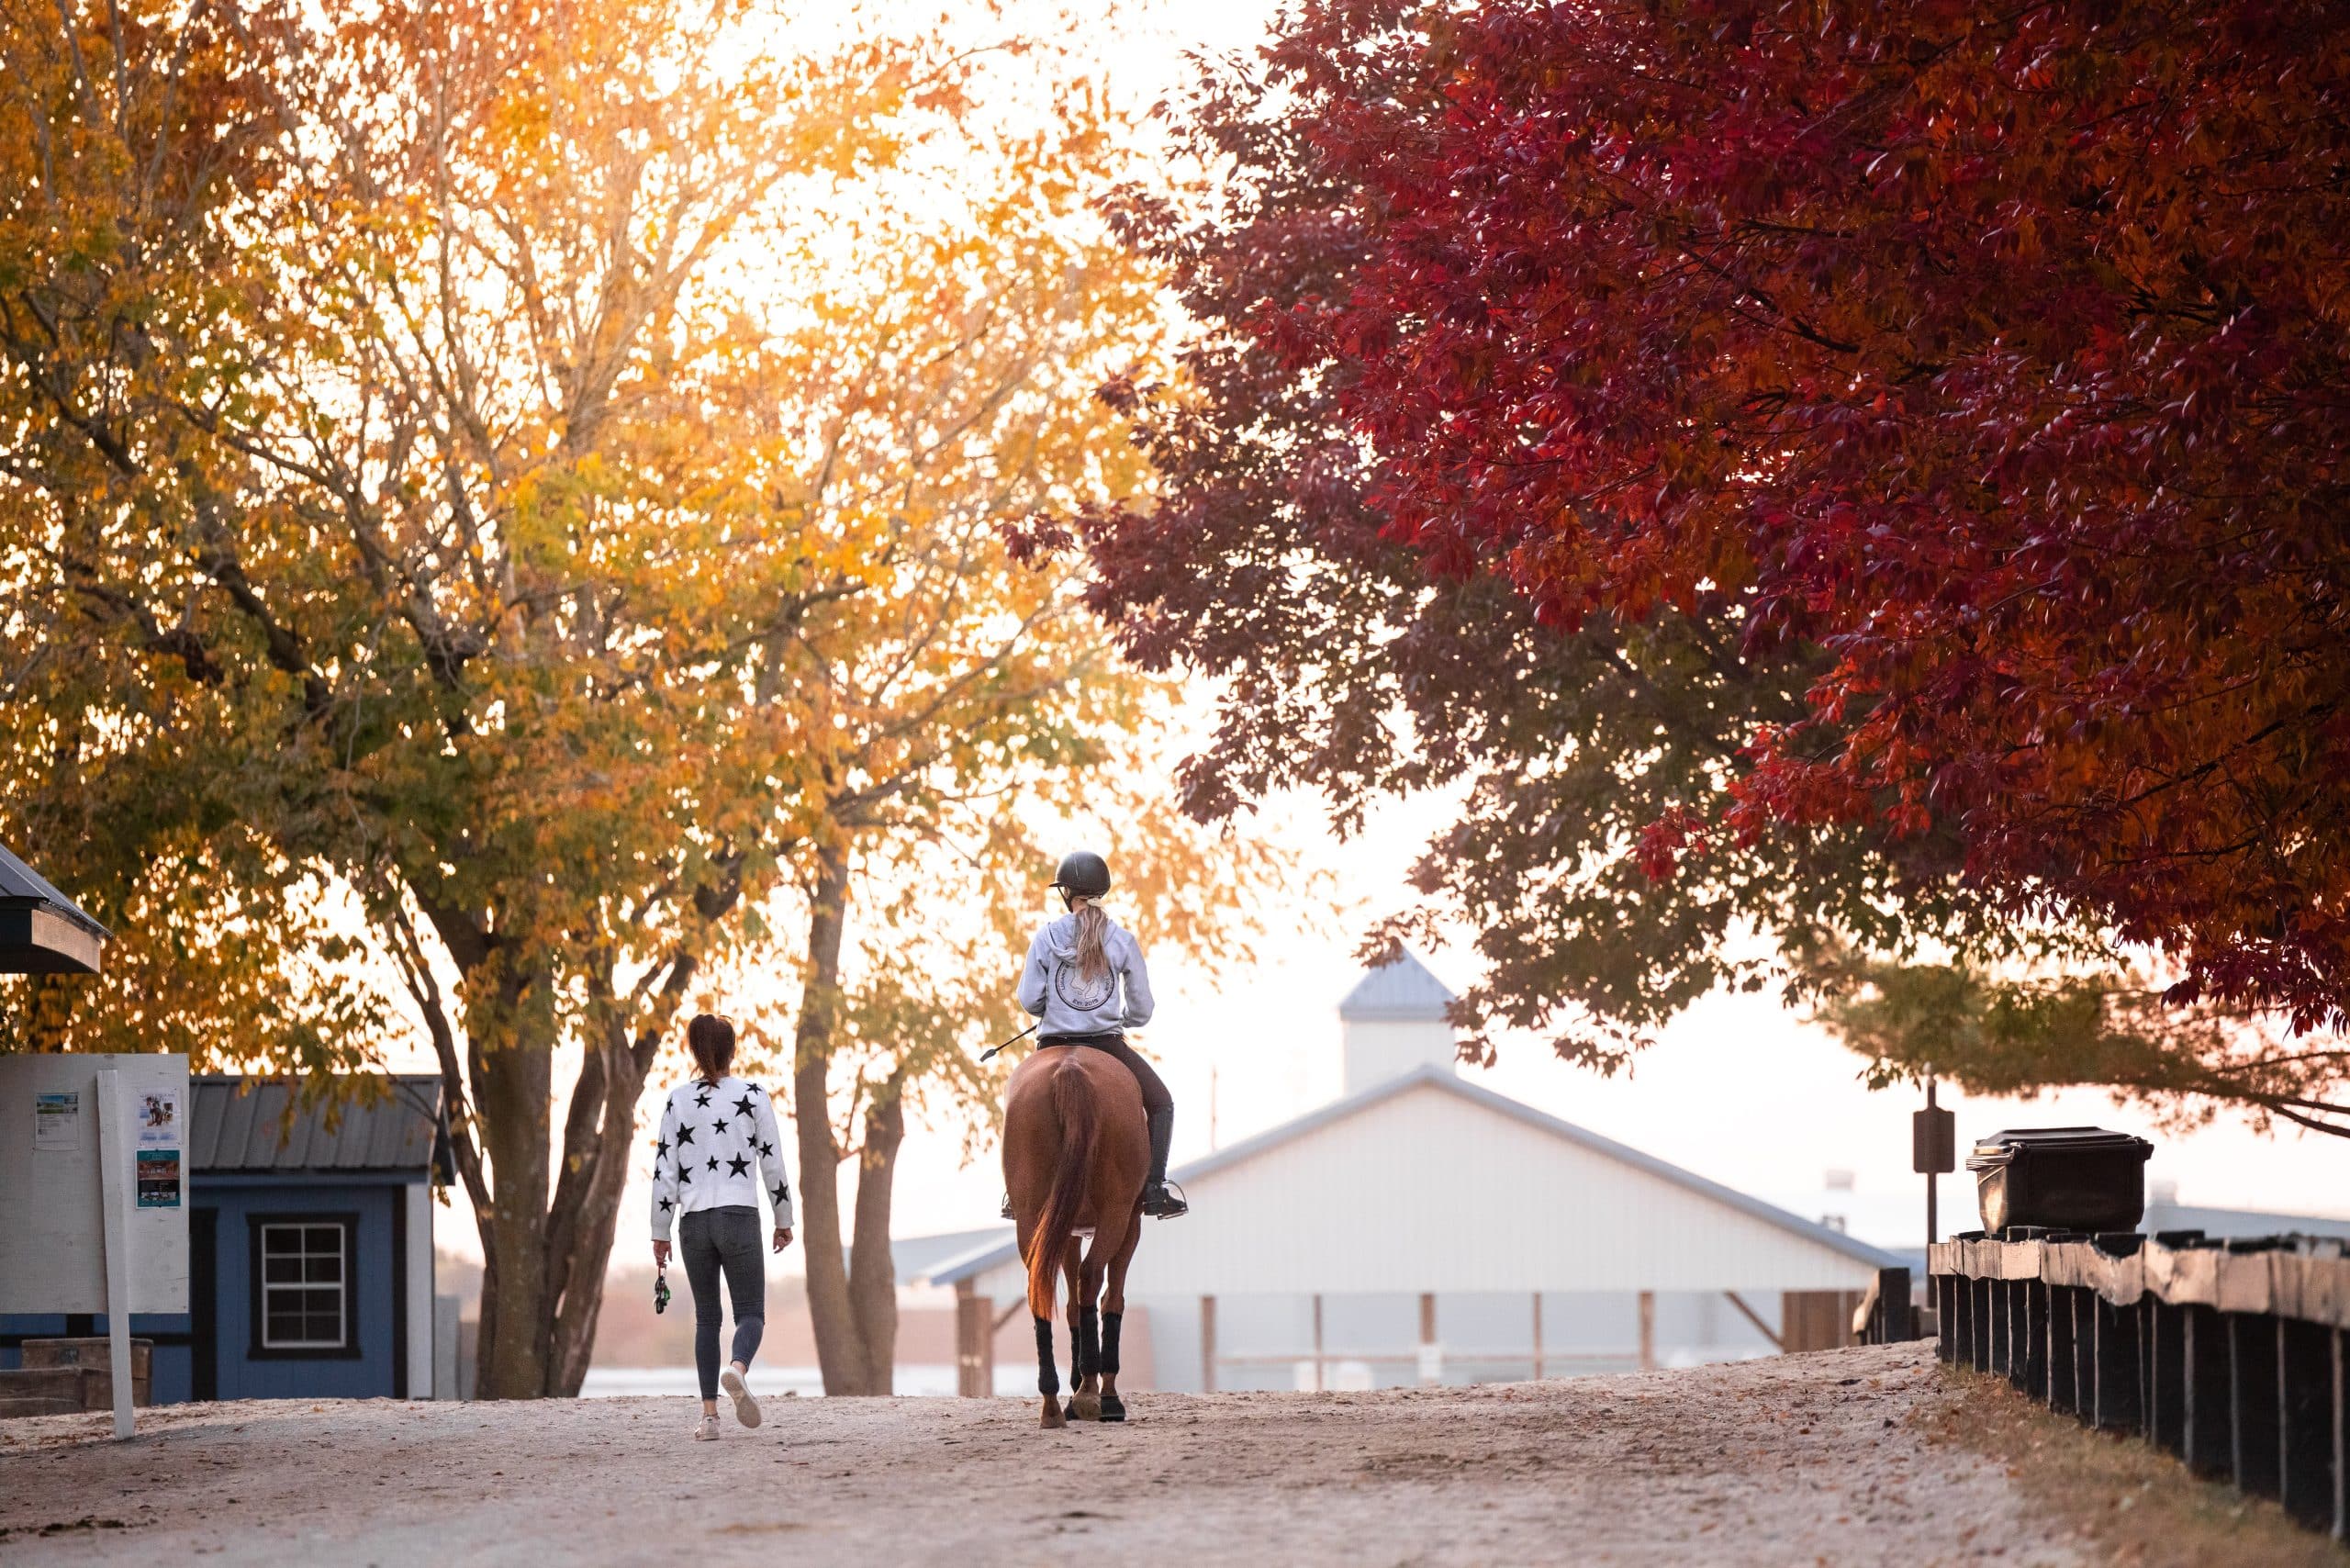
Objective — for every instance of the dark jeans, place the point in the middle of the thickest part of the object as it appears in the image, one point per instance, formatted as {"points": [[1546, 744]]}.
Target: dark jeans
{"points": [[728, 1239], [1154, 1093]]}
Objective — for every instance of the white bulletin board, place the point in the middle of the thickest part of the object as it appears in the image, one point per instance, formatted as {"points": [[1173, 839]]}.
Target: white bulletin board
{"points": [[54, 1193]]}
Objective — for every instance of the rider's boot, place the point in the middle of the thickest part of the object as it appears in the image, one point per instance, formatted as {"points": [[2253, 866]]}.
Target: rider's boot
{"points": [[1157, 1197]]}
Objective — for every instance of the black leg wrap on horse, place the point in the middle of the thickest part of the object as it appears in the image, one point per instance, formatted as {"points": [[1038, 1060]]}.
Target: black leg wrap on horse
{"points": [[1048, 1381], [1111, 1323], [1088, 1353]]}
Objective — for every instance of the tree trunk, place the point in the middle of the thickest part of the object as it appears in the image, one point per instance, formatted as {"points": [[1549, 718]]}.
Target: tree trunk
{"points": [[587, 1211], [840, 1348], [598, 1140], [512, 1083], [872, 1273]]}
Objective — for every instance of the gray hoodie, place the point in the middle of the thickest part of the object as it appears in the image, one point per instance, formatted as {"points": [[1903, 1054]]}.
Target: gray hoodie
{"points": [[1051, 988]]}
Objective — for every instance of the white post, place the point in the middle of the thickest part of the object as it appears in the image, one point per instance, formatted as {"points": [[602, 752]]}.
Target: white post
{"points": [[114, 1210], [417, 1196]]}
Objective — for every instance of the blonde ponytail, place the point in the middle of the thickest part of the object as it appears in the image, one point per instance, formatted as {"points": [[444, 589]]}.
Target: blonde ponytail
{"points": [[1092, 937]]}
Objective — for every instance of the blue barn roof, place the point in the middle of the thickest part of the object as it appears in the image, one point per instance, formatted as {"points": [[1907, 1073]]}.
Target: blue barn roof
{"points": [[1400, 990]]}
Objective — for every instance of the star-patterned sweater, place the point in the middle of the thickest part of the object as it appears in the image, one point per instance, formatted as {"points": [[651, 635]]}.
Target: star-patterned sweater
{"points": [[717, 1146]]}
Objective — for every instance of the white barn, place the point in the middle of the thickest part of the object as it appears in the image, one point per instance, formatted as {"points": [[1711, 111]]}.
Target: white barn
{"points": [[1422, 1229]]}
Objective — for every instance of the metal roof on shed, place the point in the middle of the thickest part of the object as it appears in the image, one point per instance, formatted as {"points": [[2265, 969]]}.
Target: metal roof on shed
{"points": [[1400, 990], [245, 1125], [21, 885]]}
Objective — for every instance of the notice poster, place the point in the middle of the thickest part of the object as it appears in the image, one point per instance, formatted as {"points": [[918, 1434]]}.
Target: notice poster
{"points": [[57, 1120], [159, 1177], [159, 1119]]}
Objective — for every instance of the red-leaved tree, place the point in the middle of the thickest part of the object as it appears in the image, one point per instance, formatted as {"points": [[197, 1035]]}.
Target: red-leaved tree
{"points": [[2001, 352], [1979, 371]]}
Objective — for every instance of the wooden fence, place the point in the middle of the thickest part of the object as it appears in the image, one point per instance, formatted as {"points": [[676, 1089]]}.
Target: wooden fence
{"points": [[2230, 1355]]}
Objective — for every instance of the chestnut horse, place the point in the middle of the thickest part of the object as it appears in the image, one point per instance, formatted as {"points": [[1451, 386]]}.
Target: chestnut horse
{"points": [[1076, 1149]]}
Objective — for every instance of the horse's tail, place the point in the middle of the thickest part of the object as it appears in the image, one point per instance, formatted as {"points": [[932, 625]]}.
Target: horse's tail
{"points": [[1080, 1118]]}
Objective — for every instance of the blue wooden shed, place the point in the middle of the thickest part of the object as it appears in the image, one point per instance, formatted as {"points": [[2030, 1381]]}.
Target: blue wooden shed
{"points": [[309, 1246]]}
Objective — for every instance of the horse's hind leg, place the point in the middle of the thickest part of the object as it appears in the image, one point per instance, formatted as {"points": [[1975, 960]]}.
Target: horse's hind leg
{"points": [[1090, 1402], [1048, 1380], [1113, 1318], [1084, 1372]]}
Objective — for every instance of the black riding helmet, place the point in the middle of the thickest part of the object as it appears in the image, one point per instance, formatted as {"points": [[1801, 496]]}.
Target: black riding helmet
{"points": [[1083, 875]]}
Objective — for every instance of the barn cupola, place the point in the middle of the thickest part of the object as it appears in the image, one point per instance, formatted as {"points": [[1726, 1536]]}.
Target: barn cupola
{"points": [[1394, 1021]]}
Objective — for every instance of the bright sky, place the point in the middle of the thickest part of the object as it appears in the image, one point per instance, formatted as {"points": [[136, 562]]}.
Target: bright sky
{"points": [[1738, 1090]]}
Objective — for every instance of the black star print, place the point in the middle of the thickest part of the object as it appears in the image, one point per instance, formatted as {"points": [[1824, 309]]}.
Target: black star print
{"points": [[719, 1128], [660, 1148], [765, 1149], [685, 1135], [702, 1098], [685, 1172], [666, 1205], [713, 1163], [743, 1106], [738, 1165], [782, 1193]]}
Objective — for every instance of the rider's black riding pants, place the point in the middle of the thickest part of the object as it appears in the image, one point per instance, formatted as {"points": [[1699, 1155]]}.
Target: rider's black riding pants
{"points": [[1154, 1093]]}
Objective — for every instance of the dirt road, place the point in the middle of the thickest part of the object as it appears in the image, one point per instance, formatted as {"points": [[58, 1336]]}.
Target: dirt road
{"points": [[1823, 1458]]}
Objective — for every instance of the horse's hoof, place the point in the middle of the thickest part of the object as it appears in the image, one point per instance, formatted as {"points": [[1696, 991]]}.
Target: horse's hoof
{"points": [[1054, 1420], [1112, 1408], [1085, 1408]]}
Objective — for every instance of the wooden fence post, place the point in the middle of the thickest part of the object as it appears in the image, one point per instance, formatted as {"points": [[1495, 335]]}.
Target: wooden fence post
{"points": [[974, 1342], [1207, 1344]]}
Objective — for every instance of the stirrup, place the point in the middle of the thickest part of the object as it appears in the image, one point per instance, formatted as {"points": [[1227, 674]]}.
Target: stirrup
{"points": [[1167, 1203], [1007, 1206]]}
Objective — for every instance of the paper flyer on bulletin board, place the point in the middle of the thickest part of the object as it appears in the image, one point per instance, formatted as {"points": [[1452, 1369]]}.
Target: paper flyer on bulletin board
{"points": [[159, 1177], [159, 1119], [57, 1120]]}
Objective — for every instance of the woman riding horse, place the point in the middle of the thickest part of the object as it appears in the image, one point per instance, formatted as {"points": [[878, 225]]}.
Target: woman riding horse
{"points": [[1086, 981]]}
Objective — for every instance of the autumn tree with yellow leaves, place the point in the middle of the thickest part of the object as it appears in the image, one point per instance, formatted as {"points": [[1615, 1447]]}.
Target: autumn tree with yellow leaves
{"points": [[514, 492]]}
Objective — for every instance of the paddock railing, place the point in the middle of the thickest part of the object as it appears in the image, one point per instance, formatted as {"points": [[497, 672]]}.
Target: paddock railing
{"points": [[2234, 1355]]}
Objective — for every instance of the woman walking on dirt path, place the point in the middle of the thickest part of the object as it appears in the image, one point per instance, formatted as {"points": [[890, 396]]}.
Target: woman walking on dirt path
{"points": [[1086, 983], [718, 1148]]}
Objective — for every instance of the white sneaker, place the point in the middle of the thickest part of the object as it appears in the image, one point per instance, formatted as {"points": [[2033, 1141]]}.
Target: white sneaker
{"points": [[747, 1409], [706, 1430]]}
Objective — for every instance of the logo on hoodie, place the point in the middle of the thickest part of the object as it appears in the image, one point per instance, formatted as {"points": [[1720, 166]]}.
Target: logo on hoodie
{"points": [[1079, 991]]}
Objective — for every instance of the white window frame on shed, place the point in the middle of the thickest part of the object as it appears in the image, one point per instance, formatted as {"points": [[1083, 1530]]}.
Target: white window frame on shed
{"points": [[344, 1228]]}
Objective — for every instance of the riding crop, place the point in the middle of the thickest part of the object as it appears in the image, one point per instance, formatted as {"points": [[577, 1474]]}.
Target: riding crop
{"points": [[989, 1055]]}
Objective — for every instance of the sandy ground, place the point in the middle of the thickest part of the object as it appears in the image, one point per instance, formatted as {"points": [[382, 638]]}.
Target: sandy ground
{"points": [[1830, 1458]]}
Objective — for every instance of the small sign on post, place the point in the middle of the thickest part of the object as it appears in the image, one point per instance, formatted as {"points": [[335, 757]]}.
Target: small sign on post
{"points": [[1933, 1152], [1933, 1142]]}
